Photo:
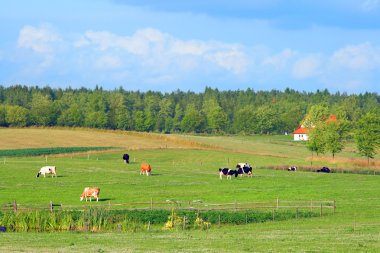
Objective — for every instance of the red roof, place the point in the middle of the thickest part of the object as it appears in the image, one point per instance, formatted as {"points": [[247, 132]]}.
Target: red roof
{"points": [[301, 130]]}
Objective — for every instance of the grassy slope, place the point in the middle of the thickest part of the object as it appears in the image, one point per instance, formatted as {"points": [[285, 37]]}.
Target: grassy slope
{"points": [[189, 175]]}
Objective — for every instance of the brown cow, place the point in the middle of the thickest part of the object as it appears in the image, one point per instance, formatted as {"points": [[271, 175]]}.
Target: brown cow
{"points": [[90, 192], [145, 168]]}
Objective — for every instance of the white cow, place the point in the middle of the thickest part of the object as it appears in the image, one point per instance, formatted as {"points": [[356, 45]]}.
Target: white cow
{"points": [[48, 170], [90, 192]]}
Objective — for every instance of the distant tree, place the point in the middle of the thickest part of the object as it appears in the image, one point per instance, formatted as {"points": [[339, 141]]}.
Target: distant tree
{"points": [[97, 119], [266, 119], [335, 135], [3, 113], [367, 135], [178, 116], [164, 116], [41, 110], [317, 114], [317, 140], [16, 116], [216, 117], [139, 121], [245, 120], [193, 120], [72, 116], [123, 119]]}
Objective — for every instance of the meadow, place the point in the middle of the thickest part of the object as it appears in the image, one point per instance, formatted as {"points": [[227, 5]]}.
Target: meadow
{"points": [[185, 169]]}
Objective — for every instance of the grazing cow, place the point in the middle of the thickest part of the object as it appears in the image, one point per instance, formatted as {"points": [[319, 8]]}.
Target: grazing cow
{"points": [[90, 192], [325, 170], [47, 170], [126, 158], [145, 169], [227, 172], [3, 229], [244, 168], [293, 168]]}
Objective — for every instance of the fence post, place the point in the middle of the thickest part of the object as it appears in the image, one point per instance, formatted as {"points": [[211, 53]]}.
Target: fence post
{"points": [[334, 206], [277, 203], [321, 209], [151, 203], [219, 220], [184, 223], [311, 205], [109, 204], [14, 206], [51, 206]]}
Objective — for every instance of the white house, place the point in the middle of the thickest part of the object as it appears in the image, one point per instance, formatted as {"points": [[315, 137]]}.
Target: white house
{"points": [[302, 133]]}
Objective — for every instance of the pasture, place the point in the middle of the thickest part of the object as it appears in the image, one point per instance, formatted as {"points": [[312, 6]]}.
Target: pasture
{"points": [[185, 168]]}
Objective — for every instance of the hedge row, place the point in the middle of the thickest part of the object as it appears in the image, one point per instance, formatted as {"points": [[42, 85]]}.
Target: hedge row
{"points": [[48, 151], [99, 219]]}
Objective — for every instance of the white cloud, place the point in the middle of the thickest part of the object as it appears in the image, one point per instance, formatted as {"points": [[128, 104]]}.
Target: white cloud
{"points": [[232, 60], [159, 50], [307, 67], [39, 39], [356, 57], [281, 60], [108, 62]]}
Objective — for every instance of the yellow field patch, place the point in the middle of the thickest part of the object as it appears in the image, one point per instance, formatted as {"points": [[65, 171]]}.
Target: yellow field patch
{"points": [[15, 138]]}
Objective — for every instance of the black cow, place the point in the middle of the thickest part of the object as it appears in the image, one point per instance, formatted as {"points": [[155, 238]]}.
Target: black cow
{"points": [[244, 168], [227, 172], [3, 229], [293, 168], [126, 158], [325, 170]]}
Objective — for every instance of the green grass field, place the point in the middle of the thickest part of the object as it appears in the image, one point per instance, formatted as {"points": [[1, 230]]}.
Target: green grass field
{"points": [[188, 174]]}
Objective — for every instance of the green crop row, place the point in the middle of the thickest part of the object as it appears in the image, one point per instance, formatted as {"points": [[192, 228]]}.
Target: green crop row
{"points": [[48, 151], [99, 219]]}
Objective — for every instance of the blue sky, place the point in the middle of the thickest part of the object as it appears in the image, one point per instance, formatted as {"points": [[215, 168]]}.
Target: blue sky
{"points": [[165, 45]]}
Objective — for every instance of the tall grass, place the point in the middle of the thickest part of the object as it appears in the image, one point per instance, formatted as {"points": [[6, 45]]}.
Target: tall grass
{"points": [[100, 219]]}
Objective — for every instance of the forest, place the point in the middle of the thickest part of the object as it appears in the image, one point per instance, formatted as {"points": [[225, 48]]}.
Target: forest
{"points": [[209, 112]]}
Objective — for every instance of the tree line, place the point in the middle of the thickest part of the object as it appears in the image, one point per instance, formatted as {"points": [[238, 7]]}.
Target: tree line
{"points": [[211, 111]]}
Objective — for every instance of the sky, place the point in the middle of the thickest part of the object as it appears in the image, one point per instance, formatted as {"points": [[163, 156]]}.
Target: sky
{"points": [[166, 45]]}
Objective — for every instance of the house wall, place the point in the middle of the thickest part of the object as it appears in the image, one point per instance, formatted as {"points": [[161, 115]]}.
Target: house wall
{"points": [[301, 137]]}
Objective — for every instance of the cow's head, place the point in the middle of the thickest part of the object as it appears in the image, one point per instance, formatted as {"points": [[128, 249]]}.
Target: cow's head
{"points": [[38, 174]]}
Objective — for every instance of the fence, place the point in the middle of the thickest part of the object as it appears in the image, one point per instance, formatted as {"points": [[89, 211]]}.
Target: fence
{"points": [[312, 205]]}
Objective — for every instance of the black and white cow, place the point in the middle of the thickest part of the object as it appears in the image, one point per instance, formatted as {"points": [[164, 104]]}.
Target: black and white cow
{"points": [[227, 172], [293, 168], [126, 158], [325, 170], [244, 168], [48, 170]]}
